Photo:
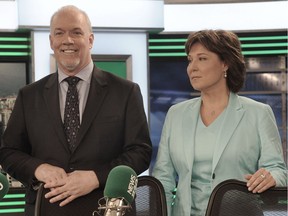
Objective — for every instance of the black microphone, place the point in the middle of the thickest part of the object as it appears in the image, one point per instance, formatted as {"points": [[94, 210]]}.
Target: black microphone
{"points": [[119, 191], [4, 185]]}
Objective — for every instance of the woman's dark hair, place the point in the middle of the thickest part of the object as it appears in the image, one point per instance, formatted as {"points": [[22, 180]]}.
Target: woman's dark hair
{"points": [[227, 46]]}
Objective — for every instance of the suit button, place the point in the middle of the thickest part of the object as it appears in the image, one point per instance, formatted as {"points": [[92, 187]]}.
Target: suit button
{"points": [[71, 168], [213, 176]]}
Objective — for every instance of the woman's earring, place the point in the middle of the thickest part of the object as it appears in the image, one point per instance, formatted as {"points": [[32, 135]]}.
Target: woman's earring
{"points": [[225, 74]]}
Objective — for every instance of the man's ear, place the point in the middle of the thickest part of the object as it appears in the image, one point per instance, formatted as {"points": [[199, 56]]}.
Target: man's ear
{"points": [[91, 40], [51, 41]]}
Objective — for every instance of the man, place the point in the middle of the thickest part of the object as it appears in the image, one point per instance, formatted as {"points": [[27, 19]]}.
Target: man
{"points": [[113, 126]]}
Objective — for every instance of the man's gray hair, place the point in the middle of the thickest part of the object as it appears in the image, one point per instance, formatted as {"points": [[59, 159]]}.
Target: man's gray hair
{"points": [[72, 7]]}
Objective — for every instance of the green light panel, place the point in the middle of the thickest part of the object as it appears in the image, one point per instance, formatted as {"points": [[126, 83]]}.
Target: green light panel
{"points": [[13, 196], [14, 53], [13, 202], [14, 39], [14, 210], [260, 45], [263, 38], [15, 45]]}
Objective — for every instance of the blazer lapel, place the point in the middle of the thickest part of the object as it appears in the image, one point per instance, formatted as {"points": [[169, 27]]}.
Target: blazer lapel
{"points": [[189, 130], [97, 93], [234, 114], [51, 97]]}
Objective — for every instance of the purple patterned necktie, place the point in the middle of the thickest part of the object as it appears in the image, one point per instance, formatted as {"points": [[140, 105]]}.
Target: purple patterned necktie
{"points": [[71, 112]]}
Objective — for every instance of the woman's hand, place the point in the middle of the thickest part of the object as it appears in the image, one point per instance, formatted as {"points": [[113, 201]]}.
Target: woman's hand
{"points": [[260, 181]]}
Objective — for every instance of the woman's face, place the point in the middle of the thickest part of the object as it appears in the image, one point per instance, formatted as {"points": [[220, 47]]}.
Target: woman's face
{"points": [[205, 69]]}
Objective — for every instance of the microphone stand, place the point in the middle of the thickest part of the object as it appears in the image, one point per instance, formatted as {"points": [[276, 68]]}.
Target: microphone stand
{"points": [[113, 207]]}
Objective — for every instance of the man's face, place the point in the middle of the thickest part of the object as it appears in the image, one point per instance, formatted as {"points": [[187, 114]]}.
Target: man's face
{"points": [[71, 41]]}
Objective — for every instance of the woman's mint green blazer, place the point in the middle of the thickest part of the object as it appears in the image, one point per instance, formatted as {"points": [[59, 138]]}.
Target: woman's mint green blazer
{"points": [[248, 140]]}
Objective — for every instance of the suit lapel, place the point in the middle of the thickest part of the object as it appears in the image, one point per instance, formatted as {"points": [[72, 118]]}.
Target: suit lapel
{"points": [[97, 94], [233, 115], [51, 97], [189, 130]]}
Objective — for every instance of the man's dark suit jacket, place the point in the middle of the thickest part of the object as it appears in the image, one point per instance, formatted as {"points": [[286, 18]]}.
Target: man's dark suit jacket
{"points": [[113, 131]]}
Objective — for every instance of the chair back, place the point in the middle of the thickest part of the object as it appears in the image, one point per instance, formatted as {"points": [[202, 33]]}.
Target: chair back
{"points": [[150, 197], [232, 197]]}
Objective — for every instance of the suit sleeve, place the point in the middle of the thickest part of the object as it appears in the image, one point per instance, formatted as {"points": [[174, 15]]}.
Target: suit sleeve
{"points": [[15, 149], [271, 149]]}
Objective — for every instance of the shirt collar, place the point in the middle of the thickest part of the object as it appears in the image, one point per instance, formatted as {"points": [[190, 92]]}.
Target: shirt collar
{"points": [[84, 74]]}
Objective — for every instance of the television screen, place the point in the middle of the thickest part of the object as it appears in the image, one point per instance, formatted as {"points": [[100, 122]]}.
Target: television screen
{"points": [[13, 77]]}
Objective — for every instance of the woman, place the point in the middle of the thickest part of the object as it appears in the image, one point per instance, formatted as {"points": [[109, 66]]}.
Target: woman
{"points": [[219, 135]]}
